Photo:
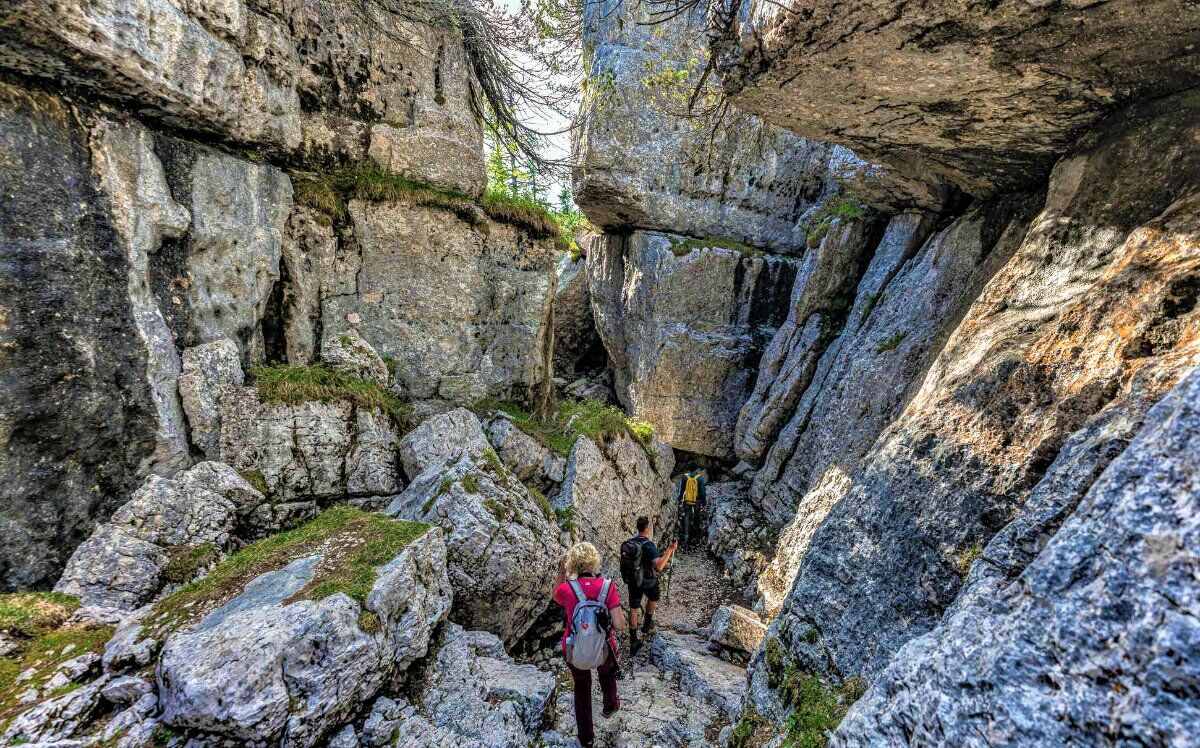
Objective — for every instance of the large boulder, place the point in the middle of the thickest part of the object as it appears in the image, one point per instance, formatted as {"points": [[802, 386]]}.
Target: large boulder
{"points": [[1097, 631], [267, 667], [609, 484], [440, 439], [684, 325], [737, 629], [525, 456], [504, 545], [982, 95], [310, 449], [476, 697], [125, 562]]}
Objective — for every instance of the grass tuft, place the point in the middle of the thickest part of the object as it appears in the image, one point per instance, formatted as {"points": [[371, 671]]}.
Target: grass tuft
{"points": [[255, 478], [568, 419], [542, 502], [36, 622], [329, 193], [186, 561], [847, 206], [683, 247], [566, 519], [817, 707], [286, 384], [964, 559], [352, 542]]}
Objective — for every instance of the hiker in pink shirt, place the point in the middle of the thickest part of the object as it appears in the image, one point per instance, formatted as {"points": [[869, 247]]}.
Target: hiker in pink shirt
{"points": [[582, 565]]}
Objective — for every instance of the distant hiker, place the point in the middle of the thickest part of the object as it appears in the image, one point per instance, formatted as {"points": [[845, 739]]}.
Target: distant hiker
{"points": [[692, 497], [593, 608], [641, 564]]}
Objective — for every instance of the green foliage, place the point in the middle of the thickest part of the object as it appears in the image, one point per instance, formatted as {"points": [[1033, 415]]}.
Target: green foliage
{"points": [[330, 192], [846, 206], [291, 385], [872, 300], [470, 483], [889, 344], [256, 479], [353, 544], [498, 509], [568, 419], [542, 502], [184, 562], [566, 519], [36, 623], [965, 558], [751, 731], [683, 247], [369, 622], [816, 707]]}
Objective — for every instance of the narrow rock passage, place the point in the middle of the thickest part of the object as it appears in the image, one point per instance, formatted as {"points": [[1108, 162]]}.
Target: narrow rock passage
{"points": [[675, 692]]}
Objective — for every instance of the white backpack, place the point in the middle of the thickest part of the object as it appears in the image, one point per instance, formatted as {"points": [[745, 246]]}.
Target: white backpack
{"points": [[587, 641]]}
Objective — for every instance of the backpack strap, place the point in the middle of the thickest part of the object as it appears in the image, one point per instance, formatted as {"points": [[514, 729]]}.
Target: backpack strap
{"points": [[603, 599], [579, 596]]}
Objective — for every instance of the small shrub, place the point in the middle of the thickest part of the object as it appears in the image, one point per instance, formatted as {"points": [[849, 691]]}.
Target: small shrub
{"points": [[566, 519], [890, 343], [291, 385], [965, 558], [369, 622], [817, 707], [184, 562], [256, 479]]}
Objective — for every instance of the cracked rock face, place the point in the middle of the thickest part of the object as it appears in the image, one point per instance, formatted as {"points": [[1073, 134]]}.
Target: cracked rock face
{"points": [[1111, 599], [609, 485], [311, 449], [1102, 286], [985, 95], [209, 372], [464, 314], [684, 332], [643, 166], [504, 547]]}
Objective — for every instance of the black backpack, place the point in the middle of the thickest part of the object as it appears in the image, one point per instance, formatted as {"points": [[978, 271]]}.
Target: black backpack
{"points": [[633, 565]]}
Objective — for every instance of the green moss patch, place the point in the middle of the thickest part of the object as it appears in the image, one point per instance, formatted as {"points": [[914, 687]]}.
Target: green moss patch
{"points": [[542, 502], [845, 207], [568, 419], [256, 479], [817, 707], [352, 544], [36, 622], [184, 562], [285, 384], [329, 193], [965, 558], [751, 731], [684, 246]]}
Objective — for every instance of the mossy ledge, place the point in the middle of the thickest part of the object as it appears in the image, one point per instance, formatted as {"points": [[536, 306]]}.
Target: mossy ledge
{"points": [[329, 192], [285, 384], [567, 420], [352, 543]]}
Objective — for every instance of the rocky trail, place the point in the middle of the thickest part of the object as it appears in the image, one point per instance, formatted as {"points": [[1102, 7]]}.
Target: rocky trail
{"points": [[676, 691]]}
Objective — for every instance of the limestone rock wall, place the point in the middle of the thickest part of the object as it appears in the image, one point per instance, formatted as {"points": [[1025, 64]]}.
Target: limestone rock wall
{"points": [[149, 152], [643, 166], [1039, 385], [684, 327]]}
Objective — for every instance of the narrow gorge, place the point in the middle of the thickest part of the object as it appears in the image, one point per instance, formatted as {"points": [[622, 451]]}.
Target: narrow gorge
{"points": [[303, 399]]}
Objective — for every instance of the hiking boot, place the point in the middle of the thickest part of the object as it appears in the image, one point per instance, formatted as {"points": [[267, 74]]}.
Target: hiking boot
{"points": [[606, 713], [635, 646]]}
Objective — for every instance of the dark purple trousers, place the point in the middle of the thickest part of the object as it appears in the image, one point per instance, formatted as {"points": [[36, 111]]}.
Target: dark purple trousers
{"points": [[584, 727]]}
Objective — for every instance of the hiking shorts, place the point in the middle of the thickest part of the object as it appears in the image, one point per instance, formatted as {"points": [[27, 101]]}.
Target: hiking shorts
{"points": [[636, 594]]}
